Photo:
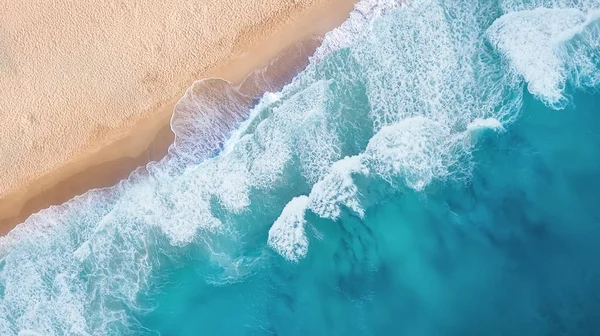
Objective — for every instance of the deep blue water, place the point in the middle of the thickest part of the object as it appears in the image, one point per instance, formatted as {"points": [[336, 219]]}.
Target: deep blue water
{"points": [[434, 171]]}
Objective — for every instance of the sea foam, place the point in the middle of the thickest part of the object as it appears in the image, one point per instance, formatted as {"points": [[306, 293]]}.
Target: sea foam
{"points": [[287, 235], [529, 40]]}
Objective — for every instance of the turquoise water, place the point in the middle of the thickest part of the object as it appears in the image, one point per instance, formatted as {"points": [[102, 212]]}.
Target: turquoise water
{"points": [[434, 171]]}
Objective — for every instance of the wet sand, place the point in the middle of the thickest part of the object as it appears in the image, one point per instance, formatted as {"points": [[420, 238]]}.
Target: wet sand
{"points": [[149, 138]]}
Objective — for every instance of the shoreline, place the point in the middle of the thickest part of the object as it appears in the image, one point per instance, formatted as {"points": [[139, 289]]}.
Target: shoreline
{"points": [[149, 139]]}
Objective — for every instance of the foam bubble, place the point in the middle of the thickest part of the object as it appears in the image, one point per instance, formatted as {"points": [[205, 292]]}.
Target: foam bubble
{"points": [[529, 39], [409, 153], [356, 26], [287, 236], [422, 64], [337, 189], [581, 50], [414, 149], [509, 6], [26, 332], [211, 108], [488, 123]]}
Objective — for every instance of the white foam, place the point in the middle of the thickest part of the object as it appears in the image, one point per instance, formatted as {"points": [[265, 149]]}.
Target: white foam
{"points": [[509, 6], [529, 40], [411, 153], [581, 50], [267, 100], [488, 123], [337, 189], [287, 235], [415, 150], [317, 144], [420, 64], [356, 26], [82, 252], [26, 332]]}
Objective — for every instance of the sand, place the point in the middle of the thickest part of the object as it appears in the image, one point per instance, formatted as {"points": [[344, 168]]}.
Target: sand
{"points": [[89, 87]]}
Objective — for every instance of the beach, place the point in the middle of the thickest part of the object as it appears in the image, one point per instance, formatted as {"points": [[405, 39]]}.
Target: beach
{"points": [[88, 96]]}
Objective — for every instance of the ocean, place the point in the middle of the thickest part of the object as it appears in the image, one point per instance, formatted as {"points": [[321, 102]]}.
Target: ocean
{"points": [[435, 170]]}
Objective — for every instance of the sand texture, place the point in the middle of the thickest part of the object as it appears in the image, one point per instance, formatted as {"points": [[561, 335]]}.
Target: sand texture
{"points": [[86, 82]]}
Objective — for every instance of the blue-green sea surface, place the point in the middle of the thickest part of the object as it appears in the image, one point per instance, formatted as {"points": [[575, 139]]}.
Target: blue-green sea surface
{"points": [[435, 170]]}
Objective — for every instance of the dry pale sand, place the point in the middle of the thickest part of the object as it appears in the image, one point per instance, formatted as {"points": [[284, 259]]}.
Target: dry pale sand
{"points": [[88, 87]]}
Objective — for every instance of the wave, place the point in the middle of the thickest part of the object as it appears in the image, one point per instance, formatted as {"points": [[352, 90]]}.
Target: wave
{"points": [[287, 236], [532, 40]]}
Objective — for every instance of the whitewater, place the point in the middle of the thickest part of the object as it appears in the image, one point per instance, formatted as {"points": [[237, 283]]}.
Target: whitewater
{"points": [[434, 170]]}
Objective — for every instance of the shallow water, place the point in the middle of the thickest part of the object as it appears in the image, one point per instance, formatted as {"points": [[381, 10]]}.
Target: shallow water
{"points": [[434, 171]]}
